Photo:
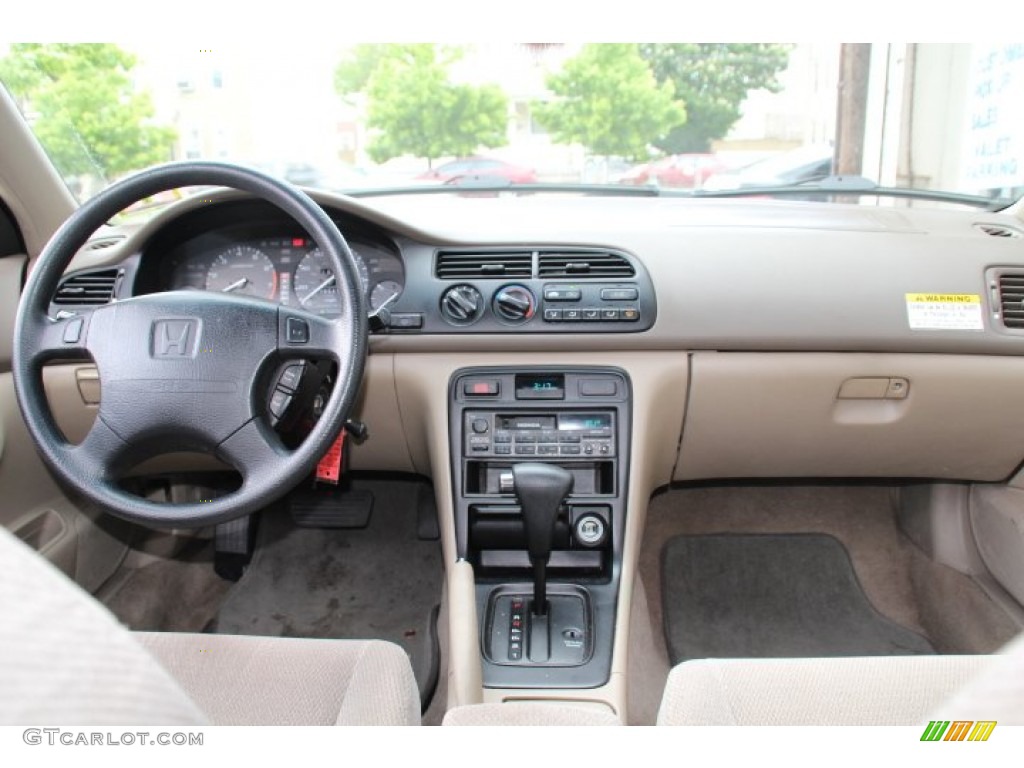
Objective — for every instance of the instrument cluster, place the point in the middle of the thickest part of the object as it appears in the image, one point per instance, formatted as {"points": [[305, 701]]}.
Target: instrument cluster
{"points": [[285, 267]]}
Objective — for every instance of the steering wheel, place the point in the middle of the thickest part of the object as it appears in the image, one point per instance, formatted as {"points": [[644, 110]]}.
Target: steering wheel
{"points": [[186, 370]]}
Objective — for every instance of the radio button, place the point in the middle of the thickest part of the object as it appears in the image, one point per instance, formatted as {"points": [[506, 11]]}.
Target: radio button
{"points": [[547, 450], [548, 437], [502, 450], [570, 450], [480, 426], [502, 437], [526, 450], [525, 437], [568, 438], [618, 294]]}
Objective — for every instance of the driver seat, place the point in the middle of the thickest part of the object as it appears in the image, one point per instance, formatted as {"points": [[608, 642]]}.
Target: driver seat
{"points": [[65, 659]]}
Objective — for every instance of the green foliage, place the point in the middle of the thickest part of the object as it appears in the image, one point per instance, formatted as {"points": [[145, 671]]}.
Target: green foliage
{"points": [[88, 115], [415, 109], [609, 101], [713, 79]]}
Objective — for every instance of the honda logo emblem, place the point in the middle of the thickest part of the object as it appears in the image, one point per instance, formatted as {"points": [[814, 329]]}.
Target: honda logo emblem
{"points": [[175, 338]]}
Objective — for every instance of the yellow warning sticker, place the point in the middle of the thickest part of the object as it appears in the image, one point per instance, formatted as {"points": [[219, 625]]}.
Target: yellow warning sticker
{"points": [[944, 312]]}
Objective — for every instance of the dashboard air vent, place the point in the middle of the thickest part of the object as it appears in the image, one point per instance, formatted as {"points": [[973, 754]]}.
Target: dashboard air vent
{"points": [[585, 264], [101, 243], [1000, 230], [455, 265], [1011, 299], [87, 289]]}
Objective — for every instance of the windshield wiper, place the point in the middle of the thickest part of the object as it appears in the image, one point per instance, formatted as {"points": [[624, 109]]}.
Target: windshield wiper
{"points": [[856, 186], [468, 186]]}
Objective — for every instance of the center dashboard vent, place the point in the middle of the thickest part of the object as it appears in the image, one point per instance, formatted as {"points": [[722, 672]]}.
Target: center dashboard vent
{"points": [[599, 264], [89, 289], [467, 265]]}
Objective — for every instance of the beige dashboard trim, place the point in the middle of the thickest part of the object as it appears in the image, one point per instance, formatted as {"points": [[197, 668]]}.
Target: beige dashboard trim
{"points": [[659, 393], [959, 417]]}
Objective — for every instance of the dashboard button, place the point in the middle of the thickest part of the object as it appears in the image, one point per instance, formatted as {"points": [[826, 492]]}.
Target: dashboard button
{"points": [[480, 426], [572, 314], [569, 450], [591, 314], [526, 450], [619, 294], [296, 330], [609, 314], [562, 293], [502, 437], [552, 314], [599, 387], [629, 313], [73, 331], [480, 388], [406, 320], [568, 438], [547, 450], [502, 450]]}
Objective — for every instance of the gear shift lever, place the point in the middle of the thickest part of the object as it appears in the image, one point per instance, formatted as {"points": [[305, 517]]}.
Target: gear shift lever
{"points": [[541, 489]]}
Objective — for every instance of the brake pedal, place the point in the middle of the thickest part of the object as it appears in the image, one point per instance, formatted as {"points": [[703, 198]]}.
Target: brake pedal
{"points": [[331, 509]]}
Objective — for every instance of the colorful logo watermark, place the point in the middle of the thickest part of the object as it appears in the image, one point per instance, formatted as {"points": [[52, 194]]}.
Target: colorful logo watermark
{"points": [[958, 730]]}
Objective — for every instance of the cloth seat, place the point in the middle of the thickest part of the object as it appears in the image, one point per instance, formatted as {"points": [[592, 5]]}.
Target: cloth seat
{"points": [[64, 659], [880, 690]]}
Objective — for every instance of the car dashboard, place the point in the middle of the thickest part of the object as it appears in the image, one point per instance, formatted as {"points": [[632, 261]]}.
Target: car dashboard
{"points": [[680, 340]]}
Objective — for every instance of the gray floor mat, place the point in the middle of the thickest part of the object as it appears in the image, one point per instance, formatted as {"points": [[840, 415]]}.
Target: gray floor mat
{"points": [[760, 596], [380, 582]]}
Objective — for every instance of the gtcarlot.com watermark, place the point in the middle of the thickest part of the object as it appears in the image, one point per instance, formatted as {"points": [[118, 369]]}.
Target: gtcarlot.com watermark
{"points": [[71, 738]]}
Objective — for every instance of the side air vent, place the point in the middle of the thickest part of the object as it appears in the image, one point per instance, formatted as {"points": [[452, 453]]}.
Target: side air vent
{"points": [[999, 230], [585, 264], [1011, 299], [102, 243], [455, 265], [88, 289]]}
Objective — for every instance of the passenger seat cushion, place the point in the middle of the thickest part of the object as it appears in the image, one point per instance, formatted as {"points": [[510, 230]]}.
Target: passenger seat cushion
{"points": [[247, 680], [884, 690]]}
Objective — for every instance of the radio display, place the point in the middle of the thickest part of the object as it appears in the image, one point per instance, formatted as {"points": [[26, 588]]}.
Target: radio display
{"points": [[540, 386], [578, 421]]}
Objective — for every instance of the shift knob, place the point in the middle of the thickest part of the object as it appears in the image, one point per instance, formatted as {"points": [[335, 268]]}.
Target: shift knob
{"points": [[541, 489]]}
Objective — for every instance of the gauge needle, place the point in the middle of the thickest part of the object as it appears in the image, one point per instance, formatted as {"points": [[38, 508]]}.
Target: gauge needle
{"points": [[236, 284], [328, 282]]}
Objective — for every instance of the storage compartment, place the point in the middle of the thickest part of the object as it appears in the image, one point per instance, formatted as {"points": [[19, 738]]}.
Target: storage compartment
{"points": [[781, 415], [596, 478]]}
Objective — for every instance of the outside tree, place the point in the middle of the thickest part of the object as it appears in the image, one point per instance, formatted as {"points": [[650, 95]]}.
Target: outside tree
{"points": [[85, 110], [414, 107], [712, 79], [609, 101]]}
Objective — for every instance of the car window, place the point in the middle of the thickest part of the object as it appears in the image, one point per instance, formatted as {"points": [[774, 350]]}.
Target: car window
{"points": [[348, 117]]}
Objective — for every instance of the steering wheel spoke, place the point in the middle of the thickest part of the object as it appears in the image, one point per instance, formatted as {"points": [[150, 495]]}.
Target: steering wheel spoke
{"points": [[60, 337]]}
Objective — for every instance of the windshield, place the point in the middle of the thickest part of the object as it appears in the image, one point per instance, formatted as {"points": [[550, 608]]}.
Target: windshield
{"points": [[686, 117]]}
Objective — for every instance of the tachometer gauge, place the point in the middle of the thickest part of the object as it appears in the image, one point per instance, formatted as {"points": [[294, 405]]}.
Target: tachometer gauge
{"points": [[245, 270], [384, 292], [315, 287]]}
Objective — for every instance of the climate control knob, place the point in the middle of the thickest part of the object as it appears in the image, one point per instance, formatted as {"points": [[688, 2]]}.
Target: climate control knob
{"points": [[462, 304], [514, 304]]}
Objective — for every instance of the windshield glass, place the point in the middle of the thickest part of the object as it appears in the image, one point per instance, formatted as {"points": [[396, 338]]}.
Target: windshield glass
{"points": [[714, 118]]}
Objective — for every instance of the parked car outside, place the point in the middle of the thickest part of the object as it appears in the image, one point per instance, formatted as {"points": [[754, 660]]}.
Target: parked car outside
{"points": [[480, 166], [687, 171]]}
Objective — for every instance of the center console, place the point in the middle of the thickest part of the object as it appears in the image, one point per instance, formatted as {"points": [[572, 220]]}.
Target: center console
{"points": [[540, 468]]}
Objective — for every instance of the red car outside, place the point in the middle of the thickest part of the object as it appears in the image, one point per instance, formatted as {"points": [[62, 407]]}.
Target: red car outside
{"points": [[675, 171], [480, 166]]}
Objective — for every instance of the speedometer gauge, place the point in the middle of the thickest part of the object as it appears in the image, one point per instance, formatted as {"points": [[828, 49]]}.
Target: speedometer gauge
{"points": [[315, 286], [245, 270]]}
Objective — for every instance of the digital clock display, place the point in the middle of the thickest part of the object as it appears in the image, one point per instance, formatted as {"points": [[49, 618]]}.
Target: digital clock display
{"points": [[581, 421], [540, 386]]}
